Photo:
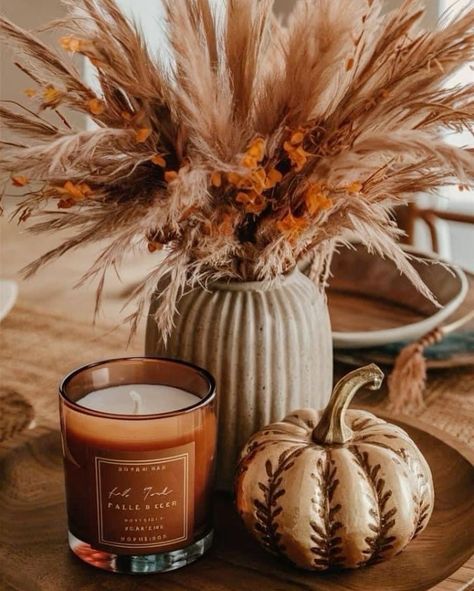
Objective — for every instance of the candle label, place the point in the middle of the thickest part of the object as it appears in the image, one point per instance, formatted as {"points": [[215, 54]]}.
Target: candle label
{"points": [[144, 500]]}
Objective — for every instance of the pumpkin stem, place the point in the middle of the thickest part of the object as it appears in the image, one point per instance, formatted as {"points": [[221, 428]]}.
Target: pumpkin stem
{"points": [[332, 427]]}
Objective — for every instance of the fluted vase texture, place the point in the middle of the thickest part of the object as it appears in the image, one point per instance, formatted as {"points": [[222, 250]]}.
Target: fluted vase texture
{"points": [[267, 344]]}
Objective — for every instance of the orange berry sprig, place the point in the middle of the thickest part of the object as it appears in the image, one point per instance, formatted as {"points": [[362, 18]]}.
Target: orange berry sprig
{"points": [[254, 154], [95, 106], [52, 97], [254, 183], [354, 187], [295, 151], [83, 46], [142, 134], [158, 160], [216, 179], [259, 179], [70, 194], [316, 199], [75, 44], [171, 175], [252, 201], [291, 226]]}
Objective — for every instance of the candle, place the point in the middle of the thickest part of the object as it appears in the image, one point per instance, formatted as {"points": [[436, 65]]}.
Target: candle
{"points": [[142, 399], [139, 444]]}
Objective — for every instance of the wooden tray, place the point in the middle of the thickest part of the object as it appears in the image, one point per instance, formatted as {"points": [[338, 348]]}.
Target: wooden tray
{"points": [[375, 305], [346, 308], [34, 554]]}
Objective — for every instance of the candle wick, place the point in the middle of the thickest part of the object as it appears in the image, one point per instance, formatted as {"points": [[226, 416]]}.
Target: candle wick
{"points": [[137, 402]]}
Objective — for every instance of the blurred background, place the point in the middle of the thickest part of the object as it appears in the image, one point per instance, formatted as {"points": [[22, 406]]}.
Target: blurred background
{"points": [[452, 237]]}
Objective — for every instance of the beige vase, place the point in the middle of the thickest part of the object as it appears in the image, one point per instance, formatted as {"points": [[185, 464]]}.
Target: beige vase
{"points": [[267, 344]]}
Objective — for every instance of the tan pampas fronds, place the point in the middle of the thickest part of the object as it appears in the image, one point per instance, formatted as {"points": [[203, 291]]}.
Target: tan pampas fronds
{"points": [[257, 145]]}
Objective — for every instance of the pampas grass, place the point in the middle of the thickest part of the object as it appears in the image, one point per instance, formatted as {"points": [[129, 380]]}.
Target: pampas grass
{"points": [[259, 145]]}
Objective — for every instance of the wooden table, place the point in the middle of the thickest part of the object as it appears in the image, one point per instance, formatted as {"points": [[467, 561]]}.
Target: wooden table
{"points": [[37, 348]]}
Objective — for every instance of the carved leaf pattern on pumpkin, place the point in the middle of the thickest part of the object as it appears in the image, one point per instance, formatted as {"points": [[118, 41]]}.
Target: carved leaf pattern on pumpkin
{"points": [[422, 507], [327, 546], [268, 509], [423, 512], [384, 518]]}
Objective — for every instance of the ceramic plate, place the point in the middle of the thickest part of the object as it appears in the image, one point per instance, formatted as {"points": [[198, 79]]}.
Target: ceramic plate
{"points": [[455, 350], [372, 304]]}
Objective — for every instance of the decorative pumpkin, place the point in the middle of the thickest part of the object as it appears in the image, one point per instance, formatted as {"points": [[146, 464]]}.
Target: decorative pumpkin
{"points": [[337, 489]]}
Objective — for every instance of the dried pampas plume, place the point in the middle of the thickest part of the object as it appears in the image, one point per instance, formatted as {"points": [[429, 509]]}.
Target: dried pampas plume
{"points": [[256, 146]]}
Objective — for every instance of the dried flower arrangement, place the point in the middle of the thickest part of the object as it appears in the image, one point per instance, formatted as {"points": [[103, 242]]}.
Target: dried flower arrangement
{"points": [[258, 144]]}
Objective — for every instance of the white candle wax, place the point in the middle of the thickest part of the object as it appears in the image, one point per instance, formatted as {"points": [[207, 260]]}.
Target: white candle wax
{"points": [[141, 399]]}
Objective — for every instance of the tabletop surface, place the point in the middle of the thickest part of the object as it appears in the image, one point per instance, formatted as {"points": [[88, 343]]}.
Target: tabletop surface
{"points": [[38, 347]]}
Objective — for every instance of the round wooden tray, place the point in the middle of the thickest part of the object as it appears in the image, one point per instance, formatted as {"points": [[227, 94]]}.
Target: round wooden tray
{"points": [[34, 554], [375, 305], [347, 308]]}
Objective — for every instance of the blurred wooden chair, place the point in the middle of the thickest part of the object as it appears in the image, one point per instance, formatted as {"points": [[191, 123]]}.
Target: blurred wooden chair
{"points": [[409, 215]]}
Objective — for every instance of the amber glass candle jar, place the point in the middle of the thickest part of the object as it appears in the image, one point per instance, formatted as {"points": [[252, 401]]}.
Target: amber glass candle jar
{"points": [[139, 438]]}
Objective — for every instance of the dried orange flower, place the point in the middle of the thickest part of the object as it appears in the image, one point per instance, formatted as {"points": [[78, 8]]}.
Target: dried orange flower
{"points": [[294, 148], [255, 153], [73, 44], [297, 137], [142, 134], [20, 181], [257, 148], [159, 160], [30, 92], [257, 205], [237, 180], [354, 187], [297, 155], [291, 226], [52, 96], [170, 176], [77, 192], [73, 194], [258, 178], [249, 161], [316, 198], [216, 179], [96, 106], [274, 177], [242, 197], [253, 202]]}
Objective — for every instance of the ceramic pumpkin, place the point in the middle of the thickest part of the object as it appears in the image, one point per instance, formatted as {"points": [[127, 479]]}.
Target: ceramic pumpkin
{"points": [[334, 489]]}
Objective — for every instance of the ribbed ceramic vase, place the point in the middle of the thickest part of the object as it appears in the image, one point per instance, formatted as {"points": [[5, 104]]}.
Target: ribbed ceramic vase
{"points": [[267, 344]]}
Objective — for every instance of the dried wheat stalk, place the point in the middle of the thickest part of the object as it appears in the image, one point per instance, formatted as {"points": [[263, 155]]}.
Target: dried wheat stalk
{"points": [[260, 143]]}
